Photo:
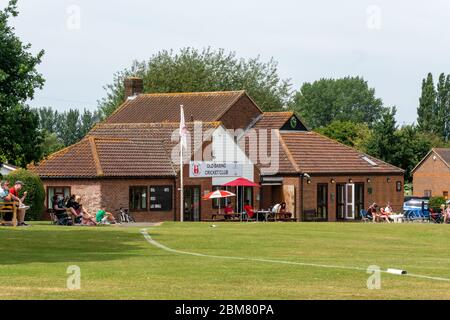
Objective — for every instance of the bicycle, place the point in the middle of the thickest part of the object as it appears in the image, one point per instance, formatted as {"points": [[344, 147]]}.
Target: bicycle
{"points": [[125, 216]]}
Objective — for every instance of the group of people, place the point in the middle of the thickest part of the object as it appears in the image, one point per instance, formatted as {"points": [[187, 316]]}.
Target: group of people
{"points": [[445, 213], [229, 211], [71, 211], [279, 210], [11, 194], [380, 214]]}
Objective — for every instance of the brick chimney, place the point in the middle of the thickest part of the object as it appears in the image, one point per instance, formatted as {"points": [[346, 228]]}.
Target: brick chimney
{"points": [[133, 87]]}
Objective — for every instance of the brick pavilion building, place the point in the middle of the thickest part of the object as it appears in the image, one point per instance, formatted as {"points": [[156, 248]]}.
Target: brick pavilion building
{"points": [[130, 160]]}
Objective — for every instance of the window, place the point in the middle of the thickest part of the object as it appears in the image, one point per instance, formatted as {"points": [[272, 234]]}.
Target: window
{"points": [[427, 193], [138, 198], [322, 201], [248, 195], [59, 191], [369, 161], [398, 186], [221, 201], [161, 198]]}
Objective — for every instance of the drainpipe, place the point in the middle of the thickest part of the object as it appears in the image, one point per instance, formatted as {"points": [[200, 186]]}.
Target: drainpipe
{"points": [[301, 197]]}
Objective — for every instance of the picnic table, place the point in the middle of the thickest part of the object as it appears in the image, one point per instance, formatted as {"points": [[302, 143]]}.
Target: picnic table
{"points": [[264, 213]]}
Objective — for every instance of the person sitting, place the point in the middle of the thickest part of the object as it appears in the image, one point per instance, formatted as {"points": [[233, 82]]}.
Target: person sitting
{"points": [[5, 197], [60, 211], [383, 215], [283, 213], [86, 218], [104, 217], [14, 194], [447, 214], [228, 211], [249, 210], [372, 211], [74, 209]]}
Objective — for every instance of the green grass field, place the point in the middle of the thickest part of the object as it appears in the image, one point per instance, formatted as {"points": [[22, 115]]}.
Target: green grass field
{"points": [[118, 263]]}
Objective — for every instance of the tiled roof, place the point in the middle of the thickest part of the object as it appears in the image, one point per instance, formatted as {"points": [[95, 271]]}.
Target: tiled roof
{"points": [[119, 150], [165, 107], [261, 157], [314, 153], [444, 153], [273, 120]]}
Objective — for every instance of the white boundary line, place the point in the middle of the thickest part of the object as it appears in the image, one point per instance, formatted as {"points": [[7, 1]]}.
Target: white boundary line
{"points": [[150, 240]]}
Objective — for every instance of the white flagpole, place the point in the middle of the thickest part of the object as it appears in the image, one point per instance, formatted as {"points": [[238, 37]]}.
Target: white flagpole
{"points": [[181, 185], [182, 141]]}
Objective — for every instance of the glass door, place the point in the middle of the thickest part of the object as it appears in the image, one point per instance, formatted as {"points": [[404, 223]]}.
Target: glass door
{"points": [[192, 203], [350, 201], [340, 201]]}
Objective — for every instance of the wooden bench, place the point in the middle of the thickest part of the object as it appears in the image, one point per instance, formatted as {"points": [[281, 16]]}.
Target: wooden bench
{"points": [[9, 207]]}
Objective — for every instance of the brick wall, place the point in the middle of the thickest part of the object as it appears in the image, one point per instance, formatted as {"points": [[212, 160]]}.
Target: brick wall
{"points": [[382, 191], [115, 194], [88, 189], [431, 175], [241, 114]]}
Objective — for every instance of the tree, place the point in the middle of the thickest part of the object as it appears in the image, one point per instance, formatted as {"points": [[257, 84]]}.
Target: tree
{"points": [[18, 81], [349, 133], [207, 70], [442, 125], [383, 143], [345, 99], [87, 121], [427, 105], [63, 129], [50, 143], [48, 119], [412, 146]]}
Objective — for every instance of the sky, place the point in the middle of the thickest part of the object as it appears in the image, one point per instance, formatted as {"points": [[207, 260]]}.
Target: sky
{"points": [[391, 44]]}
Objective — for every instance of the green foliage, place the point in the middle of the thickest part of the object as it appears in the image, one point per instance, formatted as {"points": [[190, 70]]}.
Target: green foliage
{"points": [[411, 146], [50, 143], [20, 136], [434, 106], [36, 193], [346, 99], [207, 70], [349, 133], [18, 81], [427, 105], [442, 123], [384, 142], [436, 202], [64, 129]]}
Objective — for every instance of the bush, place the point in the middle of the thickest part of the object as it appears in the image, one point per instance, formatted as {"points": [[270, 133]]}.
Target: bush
{"points": [[436, 202], [34, 187]]}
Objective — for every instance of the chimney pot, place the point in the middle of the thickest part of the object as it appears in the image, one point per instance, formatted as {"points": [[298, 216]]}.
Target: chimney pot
{"points": [[133, 87]]}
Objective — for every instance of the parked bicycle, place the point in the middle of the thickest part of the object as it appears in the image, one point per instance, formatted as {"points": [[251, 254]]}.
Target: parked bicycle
{"points": [[125, 216]]}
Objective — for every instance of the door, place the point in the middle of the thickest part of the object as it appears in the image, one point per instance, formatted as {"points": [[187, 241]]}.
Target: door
{"points": [[340, 201], [192, 203], [350, 201], [322, 201]]}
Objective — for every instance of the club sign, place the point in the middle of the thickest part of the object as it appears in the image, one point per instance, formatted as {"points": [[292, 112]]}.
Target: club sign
{"points": [[209, 169]]}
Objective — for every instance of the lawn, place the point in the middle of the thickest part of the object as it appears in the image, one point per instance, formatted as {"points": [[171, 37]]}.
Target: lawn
{"points": [[119, 263]]}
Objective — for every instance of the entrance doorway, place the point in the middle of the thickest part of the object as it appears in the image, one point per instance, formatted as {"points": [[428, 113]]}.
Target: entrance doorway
{"points": [[349, 200], [345, 201], [192, 203]]}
